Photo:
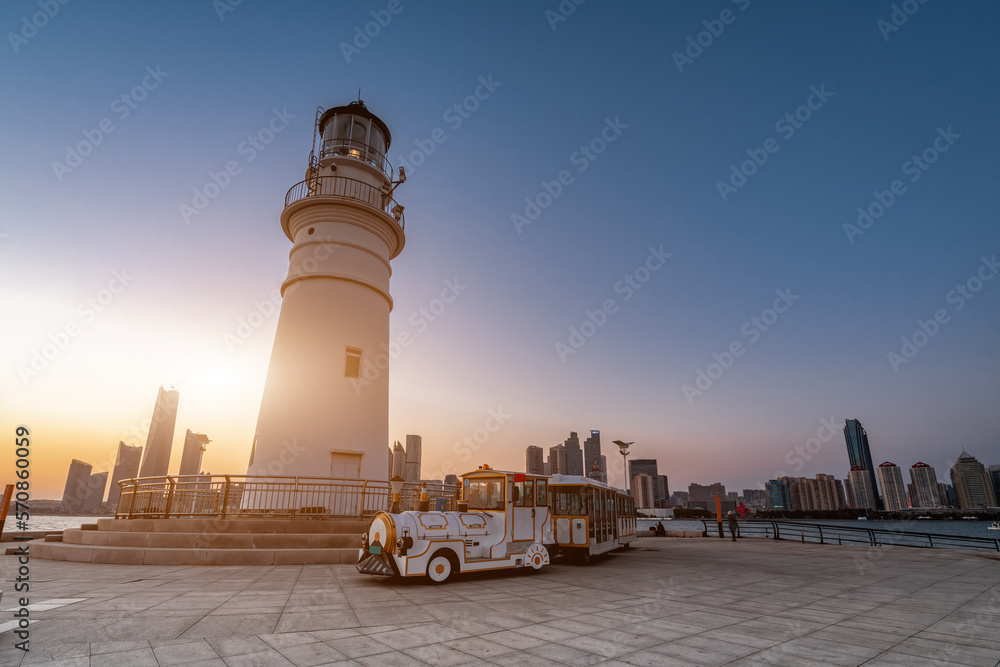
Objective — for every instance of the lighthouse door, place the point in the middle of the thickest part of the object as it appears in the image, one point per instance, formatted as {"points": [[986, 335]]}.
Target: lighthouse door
{"points": [[345, 465]]}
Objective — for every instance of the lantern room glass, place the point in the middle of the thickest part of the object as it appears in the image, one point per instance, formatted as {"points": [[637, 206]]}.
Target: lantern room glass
{"points": [[356, 136]]}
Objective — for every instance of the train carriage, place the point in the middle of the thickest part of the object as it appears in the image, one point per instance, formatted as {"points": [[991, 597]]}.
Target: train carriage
{"points": [[505, 520]]}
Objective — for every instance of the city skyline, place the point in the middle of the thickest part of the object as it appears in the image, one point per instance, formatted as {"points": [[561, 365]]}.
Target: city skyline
{"points": [[672, 228]]}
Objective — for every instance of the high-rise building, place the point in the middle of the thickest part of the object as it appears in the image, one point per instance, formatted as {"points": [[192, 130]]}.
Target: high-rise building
{"points": [[534, 460], [755, 498], [642, 491], [993, 473], [680, 498], [451, 479], [96, 485], [126, 467], [702, 493], [972, 486], [923, 481], [557, 460], [195, 445], [414, 447], [860, 454], [398, 460], [77, 485], [893, 488], [862, 496], [829, 493], [663, 491], [777, 495], [574, 455], [638, 467], [156, 455], [592, 449]]}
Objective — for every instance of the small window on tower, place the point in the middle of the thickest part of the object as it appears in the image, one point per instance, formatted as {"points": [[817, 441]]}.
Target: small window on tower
{"points": [[353, 369]]}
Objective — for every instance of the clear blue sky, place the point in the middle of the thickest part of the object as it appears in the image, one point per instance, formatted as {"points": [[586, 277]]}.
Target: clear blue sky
{"points": [[656, 184]]}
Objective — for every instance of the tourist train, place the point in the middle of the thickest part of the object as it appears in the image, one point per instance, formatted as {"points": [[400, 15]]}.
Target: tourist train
{"points": [[504, 520]]}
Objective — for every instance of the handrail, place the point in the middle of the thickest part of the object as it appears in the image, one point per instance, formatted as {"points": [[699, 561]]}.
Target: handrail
{"points": [[359, 150], [346, 188], [835, 534], [227, 496]]}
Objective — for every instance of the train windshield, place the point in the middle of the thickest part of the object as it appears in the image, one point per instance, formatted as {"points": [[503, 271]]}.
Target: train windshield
{"points": [[569, 500], [486, 494]]}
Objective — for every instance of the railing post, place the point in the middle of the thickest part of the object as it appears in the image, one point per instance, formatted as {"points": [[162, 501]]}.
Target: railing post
{"points": [[774, 524], [364, 499], [170, 498], [225, 498], [871, 536], [131, 504], [820, 526]]}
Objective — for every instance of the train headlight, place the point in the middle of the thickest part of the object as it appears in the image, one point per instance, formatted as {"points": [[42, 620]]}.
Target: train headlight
{"points": [[403, 544], [364, 541]]}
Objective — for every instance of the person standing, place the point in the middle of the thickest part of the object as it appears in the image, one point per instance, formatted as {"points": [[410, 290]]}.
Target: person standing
{"points": [[734, 526]]}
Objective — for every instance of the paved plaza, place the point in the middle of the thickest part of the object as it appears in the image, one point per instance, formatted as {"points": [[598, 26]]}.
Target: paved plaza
{"points": [[664, 602]]}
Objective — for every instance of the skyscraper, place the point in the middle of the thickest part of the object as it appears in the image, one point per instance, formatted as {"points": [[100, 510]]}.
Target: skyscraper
{"points": [[703, 493], [642, 491], [893, 487], [398, 460], [557, 460], [126, 467], [534, 460], [195, 445], [574, 455], [993, 473], [923, 481], [76, 487], [860, 455], [96, 485], [638, 467], [972, 486], [591, 449], [156, 456], [777, 495], [663, 490], [414, 447], [862, 495]]}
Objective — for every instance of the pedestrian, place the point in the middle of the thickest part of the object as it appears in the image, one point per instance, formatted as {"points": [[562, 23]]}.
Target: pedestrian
{"points": [[660, 531], [734, 526]]}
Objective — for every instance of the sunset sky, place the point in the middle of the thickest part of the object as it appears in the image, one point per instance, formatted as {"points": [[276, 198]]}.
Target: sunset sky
{"points": [[599, 143]]}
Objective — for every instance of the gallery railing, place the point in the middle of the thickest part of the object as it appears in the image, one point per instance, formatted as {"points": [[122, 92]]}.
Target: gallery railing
{"points": [[825, 533], [243, 496], [346, 188]]}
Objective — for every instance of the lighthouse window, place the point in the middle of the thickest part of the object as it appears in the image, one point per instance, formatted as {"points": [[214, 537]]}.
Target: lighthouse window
{"points": [[353, 369]]}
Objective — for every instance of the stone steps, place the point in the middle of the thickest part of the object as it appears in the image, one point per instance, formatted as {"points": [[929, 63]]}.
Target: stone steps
{"points": [[268, 541], [82, 553]]}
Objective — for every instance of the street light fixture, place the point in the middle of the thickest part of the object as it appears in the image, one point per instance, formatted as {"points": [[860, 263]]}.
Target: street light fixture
{"points": [[623, 448], [396, 483]]}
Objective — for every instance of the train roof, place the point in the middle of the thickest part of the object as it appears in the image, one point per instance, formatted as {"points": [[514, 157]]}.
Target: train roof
{"points": [[490, 471], [581, 480]]}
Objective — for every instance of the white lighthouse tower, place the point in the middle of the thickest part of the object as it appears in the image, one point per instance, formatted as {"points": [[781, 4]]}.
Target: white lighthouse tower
{"points": [[325, 406]]}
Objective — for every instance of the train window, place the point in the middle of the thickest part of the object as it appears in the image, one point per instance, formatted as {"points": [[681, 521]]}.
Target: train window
{"points": [[542, 499], [485, 494], [524, 494]]}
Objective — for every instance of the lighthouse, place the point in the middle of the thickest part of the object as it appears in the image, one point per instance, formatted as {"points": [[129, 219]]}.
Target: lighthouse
{"points": [[324, 411]]}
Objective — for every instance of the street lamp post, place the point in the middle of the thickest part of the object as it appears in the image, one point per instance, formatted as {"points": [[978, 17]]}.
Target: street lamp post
{"points": [[623, 448]]}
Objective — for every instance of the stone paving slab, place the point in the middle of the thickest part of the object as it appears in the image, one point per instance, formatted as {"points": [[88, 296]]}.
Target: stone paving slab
{"points": [[663, 602]]}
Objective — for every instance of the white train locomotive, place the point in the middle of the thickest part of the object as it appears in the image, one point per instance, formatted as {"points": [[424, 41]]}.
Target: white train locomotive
{"points": [[506, 520]]}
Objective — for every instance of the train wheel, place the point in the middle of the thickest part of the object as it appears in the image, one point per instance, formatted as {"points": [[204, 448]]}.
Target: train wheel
{"points": [[440, 569]]}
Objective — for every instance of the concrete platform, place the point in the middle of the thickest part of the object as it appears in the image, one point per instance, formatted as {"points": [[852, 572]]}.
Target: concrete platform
{"points": [[663, 602]]}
